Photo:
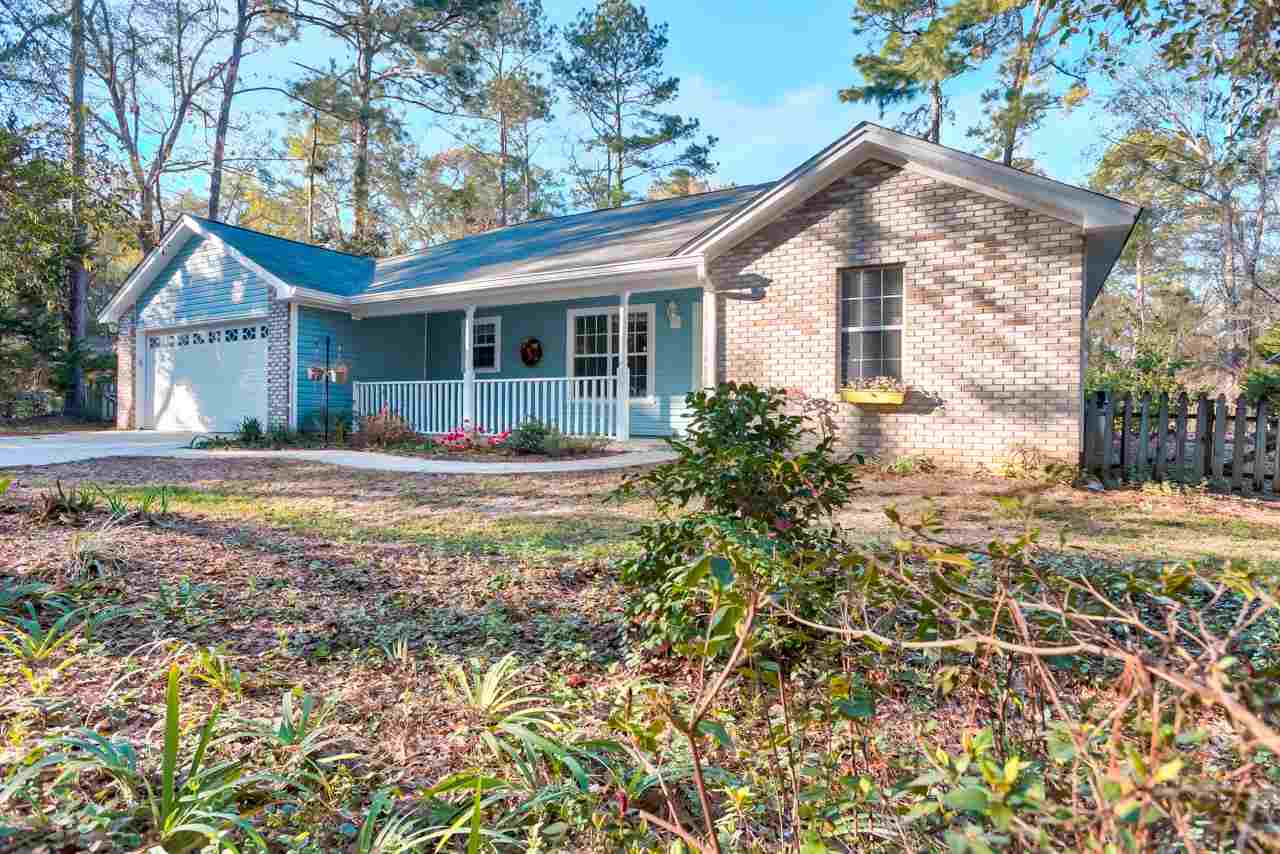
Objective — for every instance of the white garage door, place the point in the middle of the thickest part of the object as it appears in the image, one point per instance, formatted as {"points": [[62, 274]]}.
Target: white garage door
{"points": [[207, 380]]}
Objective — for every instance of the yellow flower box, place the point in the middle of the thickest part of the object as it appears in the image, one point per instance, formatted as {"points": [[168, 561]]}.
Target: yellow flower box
{"points": [[883, 398]]}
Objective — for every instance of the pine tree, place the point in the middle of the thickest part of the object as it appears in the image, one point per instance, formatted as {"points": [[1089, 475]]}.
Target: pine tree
{"points": [[404, 54], [612, 72], [914, 58]]}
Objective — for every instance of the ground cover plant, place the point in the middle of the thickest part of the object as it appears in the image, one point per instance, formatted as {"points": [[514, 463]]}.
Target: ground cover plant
{"points": [[302, 658]]}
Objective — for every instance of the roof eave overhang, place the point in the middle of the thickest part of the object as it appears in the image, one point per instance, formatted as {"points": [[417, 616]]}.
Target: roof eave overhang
{"points": [[147, 270], [1090, 212], [662, 273]]}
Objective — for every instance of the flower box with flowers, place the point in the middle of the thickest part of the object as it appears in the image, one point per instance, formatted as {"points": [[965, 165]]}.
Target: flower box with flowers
{"points": [[881, 391]]}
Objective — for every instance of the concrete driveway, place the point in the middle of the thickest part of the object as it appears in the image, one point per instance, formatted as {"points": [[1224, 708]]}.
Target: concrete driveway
{"points": [[87, 445], [73, 447]]}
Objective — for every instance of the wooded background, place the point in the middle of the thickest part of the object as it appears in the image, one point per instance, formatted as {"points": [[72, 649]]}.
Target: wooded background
{"points": [[117, 116]]}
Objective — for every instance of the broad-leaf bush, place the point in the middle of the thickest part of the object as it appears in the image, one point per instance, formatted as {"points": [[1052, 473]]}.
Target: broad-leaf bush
{"points": [[748, 470]]}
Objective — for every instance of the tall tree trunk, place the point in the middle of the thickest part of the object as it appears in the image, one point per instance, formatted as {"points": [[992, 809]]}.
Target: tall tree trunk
{"points": [[311, 176], [502, 167], [525, 177], [1230, 287], [935, 118], [230, 76], [1021, 77], [1140, 281], [77, 274], [147, 219], [364, 100], [1253, 252], [618, 162]]}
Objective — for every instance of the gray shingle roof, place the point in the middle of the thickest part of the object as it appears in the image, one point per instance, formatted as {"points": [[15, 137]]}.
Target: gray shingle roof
{"points": [[299, 264], [630, 233]]}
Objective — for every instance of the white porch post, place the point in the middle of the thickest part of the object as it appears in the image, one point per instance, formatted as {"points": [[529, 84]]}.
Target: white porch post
{"points": [[710, 360], [468, 367], [624, 372]]}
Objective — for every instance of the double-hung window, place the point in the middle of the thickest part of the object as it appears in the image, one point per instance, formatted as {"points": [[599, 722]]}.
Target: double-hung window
{"points": [[871, 323], [594, 350], [486, 344]]}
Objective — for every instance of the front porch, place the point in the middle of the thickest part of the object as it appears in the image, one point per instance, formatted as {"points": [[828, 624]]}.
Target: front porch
{"points": [[560, 362]]}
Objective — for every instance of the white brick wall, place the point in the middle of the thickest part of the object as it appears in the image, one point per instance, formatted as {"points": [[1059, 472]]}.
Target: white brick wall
{"points": [[126, 344], [278, 398], [991, 345]]}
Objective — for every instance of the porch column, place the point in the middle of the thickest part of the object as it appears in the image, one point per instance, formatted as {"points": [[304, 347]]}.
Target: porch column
{"points": [[624, 372], [710, 356], [469, 367]]}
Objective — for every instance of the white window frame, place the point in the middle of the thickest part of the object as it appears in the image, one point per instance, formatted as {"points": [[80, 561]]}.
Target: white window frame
{"points": [[496, 321], [900, 327], [647, 309]]}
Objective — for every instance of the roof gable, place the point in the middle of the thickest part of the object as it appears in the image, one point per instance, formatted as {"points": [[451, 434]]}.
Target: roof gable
{"points": [[1085, 209]]}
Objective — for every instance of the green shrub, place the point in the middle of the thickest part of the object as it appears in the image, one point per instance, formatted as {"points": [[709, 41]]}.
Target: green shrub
{"points": [[249, 431], [386, 429], [1262, 384], [558, 444], [910, 464], [529, 438], [535, 437], [742, 468]]}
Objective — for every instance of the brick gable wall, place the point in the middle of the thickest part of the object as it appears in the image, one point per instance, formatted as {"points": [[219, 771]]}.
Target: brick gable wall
{"points": [[991, 344]]}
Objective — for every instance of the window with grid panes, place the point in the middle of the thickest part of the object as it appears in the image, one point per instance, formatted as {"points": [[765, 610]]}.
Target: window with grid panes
{"points": [[595, 346], [485, 332], [871, 302]]}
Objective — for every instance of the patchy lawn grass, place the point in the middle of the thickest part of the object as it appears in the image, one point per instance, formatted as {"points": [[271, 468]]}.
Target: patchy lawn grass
{"points": [[364, 587]]}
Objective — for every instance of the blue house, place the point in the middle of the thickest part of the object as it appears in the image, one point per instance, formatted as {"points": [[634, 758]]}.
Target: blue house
{"points": [[602, 322]]}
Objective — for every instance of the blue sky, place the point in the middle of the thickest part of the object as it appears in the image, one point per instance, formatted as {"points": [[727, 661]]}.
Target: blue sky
{"points": [[761, 76]]}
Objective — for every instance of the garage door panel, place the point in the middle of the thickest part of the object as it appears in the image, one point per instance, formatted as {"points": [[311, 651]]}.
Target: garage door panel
{"points": [[208, 380]]}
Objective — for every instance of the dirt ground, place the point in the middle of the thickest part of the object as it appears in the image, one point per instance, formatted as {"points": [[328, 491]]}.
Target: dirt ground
{"points": [[365, 587]]}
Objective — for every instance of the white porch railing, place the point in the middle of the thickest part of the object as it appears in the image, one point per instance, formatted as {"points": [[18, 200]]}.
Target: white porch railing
{"points": [[584, 406], [430, 407]]}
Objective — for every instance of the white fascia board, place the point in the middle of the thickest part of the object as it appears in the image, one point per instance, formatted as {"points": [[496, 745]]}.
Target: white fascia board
{"points": [[145, 273], [1085, 209], [551, 292], [314, 298], [531, 280]]}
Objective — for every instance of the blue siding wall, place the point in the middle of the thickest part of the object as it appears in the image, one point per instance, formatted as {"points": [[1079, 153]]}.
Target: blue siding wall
{"points": [[385, 348], [674, 348], [390, 348], [201, 283]]}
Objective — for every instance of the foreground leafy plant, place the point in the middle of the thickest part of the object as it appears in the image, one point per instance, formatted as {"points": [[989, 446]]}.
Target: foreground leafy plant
{"points": [[183, 815], [61, 506], [747, 467], [28, 640]]}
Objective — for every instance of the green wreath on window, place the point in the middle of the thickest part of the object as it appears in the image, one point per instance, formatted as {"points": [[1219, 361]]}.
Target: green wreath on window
{"points": [[531, 351]]}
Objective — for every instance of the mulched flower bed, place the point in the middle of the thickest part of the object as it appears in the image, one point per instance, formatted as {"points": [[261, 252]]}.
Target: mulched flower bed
{"points": [[470, 455]]}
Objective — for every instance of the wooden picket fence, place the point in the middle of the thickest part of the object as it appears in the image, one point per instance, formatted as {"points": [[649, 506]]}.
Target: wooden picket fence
{"points": [[1130, 440]]}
